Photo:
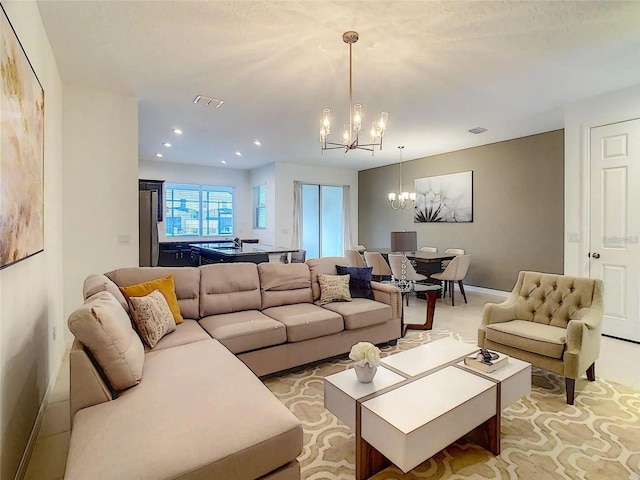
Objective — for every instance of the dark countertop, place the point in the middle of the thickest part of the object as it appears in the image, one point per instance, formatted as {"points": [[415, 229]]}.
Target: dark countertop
{"points": [[247, 249]]}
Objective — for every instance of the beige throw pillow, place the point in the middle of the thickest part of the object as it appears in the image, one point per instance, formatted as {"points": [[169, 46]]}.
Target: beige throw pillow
{"points": [[334, 288], [103, 326], [152, 317]]}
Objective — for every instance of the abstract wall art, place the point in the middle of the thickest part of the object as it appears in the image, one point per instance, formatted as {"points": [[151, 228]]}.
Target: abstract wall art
{"points": [[444, 198], [21, 152]]}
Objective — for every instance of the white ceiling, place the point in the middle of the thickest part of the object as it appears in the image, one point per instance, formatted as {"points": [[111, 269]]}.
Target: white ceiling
{"points": [[439, 68]]}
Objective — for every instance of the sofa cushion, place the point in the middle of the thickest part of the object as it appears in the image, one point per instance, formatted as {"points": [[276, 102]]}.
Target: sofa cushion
{"points": [[245, 331], [361, 312], [152, 317], [284, 284], [186, 280], [188, 331], [101, 283], [326, 265], [306, 320], [193, 416], [229, 287], [164, 285], [103, 326], [334, 288], [533, 337], [359, 280]]}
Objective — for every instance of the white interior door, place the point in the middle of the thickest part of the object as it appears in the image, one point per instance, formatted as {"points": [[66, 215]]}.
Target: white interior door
{"points": [[615, 225]]}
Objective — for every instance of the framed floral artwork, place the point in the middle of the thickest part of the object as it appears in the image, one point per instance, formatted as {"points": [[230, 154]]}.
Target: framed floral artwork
{"points": [[444, 198], [21, 151]]}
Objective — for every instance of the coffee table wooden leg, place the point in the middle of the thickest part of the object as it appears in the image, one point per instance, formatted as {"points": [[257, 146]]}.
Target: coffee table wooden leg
{"points": [[490, 434], [369, 461]]}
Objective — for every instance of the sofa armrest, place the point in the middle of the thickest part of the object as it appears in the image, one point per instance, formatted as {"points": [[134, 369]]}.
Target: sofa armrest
{"points": [[389, 294], [87, 386], [583, 344], [498, 312]]}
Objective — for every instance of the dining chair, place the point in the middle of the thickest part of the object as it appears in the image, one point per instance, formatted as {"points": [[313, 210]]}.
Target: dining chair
{"points": [[380, 266], [429, 249], [456, 271], [359, 248], [451, 251], [355, 258], [410, 274], [298, 256]]}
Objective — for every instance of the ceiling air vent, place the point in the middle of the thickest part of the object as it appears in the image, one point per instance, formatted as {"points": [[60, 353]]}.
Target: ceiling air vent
{"points": [[478, 130], [208, 101]]}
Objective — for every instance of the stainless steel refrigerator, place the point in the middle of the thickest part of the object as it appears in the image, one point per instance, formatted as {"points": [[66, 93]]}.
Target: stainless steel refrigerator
{"points": [[148, 228]]}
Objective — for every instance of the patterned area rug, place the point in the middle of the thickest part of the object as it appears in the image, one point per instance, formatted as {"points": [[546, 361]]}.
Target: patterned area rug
{"points": [[542, 436]]}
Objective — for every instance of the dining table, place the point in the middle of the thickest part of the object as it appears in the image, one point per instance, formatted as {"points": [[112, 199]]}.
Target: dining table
{"points": [[426, 263]]}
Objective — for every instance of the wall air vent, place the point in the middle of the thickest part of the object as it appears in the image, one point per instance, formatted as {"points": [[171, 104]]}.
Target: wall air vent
{"points": [[208, 101], [478, 130]]}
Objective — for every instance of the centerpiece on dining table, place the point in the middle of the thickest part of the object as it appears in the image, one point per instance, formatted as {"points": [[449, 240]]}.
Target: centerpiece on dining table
{"points": [[367, 358]]}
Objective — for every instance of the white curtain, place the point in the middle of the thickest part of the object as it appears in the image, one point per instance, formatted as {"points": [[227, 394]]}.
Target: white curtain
{"points": [[346, 218], [296, 240]]}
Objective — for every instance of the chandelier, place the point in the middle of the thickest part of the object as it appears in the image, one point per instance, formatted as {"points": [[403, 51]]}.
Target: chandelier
{"points": [[402, 199], [350, 132]]}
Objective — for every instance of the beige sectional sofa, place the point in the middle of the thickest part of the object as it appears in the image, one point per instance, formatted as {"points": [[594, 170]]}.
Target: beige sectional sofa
{"points": [[194, 410]]}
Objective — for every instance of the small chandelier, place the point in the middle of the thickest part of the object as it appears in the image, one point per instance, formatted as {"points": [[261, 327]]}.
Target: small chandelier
{"points": [[351, 130], [402, 199]]}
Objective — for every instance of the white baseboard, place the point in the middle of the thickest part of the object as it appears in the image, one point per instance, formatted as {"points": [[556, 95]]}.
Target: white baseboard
{"points": [[488, 291]]}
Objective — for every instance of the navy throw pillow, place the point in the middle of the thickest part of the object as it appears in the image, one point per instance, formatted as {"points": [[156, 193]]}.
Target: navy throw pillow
{"points": [[359, 282]]}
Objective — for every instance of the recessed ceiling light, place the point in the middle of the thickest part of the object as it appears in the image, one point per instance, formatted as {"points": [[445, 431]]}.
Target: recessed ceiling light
{"points": [[477, 130], [257, 143], [167, 144], [159, 155], [237, 153], [224, 162], [177, 131]]}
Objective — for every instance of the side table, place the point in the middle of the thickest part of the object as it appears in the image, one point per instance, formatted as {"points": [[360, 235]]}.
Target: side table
{"points": [[431, 293]]}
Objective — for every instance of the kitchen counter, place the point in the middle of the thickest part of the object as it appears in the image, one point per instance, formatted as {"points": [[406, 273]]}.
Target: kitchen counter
{"points": [[228, 252]]}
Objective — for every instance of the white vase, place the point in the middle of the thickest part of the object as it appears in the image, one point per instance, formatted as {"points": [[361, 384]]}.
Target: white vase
{"points": [[365, 373]]}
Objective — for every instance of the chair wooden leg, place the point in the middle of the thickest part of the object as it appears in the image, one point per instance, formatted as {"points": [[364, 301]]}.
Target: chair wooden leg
{"points": [[591, 372], [462, 291], [453, 295], [570, 385]]}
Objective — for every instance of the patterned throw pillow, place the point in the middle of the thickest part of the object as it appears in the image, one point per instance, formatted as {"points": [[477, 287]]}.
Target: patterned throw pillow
{"points": [[334, 288], [167, 288], [359, 280], [152, 317]]}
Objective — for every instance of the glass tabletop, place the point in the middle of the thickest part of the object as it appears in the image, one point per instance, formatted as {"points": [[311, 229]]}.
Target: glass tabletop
{"points": [[414, 287]]}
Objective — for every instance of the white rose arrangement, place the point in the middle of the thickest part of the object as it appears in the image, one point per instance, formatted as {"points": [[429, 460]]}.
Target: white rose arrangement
{"points": [[365, 352]]}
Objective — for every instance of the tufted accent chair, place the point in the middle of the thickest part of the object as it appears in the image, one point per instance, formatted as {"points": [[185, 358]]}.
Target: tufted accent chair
{"points": [[551, 321]]}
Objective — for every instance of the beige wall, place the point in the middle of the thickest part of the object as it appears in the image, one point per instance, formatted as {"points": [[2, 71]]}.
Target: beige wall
{"points": [[100, 180], [517, 207], [31, 319]]}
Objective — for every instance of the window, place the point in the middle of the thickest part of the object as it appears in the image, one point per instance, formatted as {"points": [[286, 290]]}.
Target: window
{"points": [[322, 220], [260, 206], [198, 210]]}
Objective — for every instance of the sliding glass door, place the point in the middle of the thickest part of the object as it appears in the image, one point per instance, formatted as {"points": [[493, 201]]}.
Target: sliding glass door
{"points": [[322, 220]]}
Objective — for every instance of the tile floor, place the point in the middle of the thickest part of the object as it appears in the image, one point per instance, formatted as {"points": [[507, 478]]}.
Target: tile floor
{"points": [[618, 362]]}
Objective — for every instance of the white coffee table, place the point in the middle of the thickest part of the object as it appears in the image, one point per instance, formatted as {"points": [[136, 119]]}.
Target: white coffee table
{"points": [[421, 401]]}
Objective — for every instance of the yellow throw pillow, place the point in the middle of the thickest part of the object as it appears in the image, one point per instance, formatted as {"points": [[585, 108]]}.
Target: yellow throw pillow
{"points": [[166, 287], [334, 288]]}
